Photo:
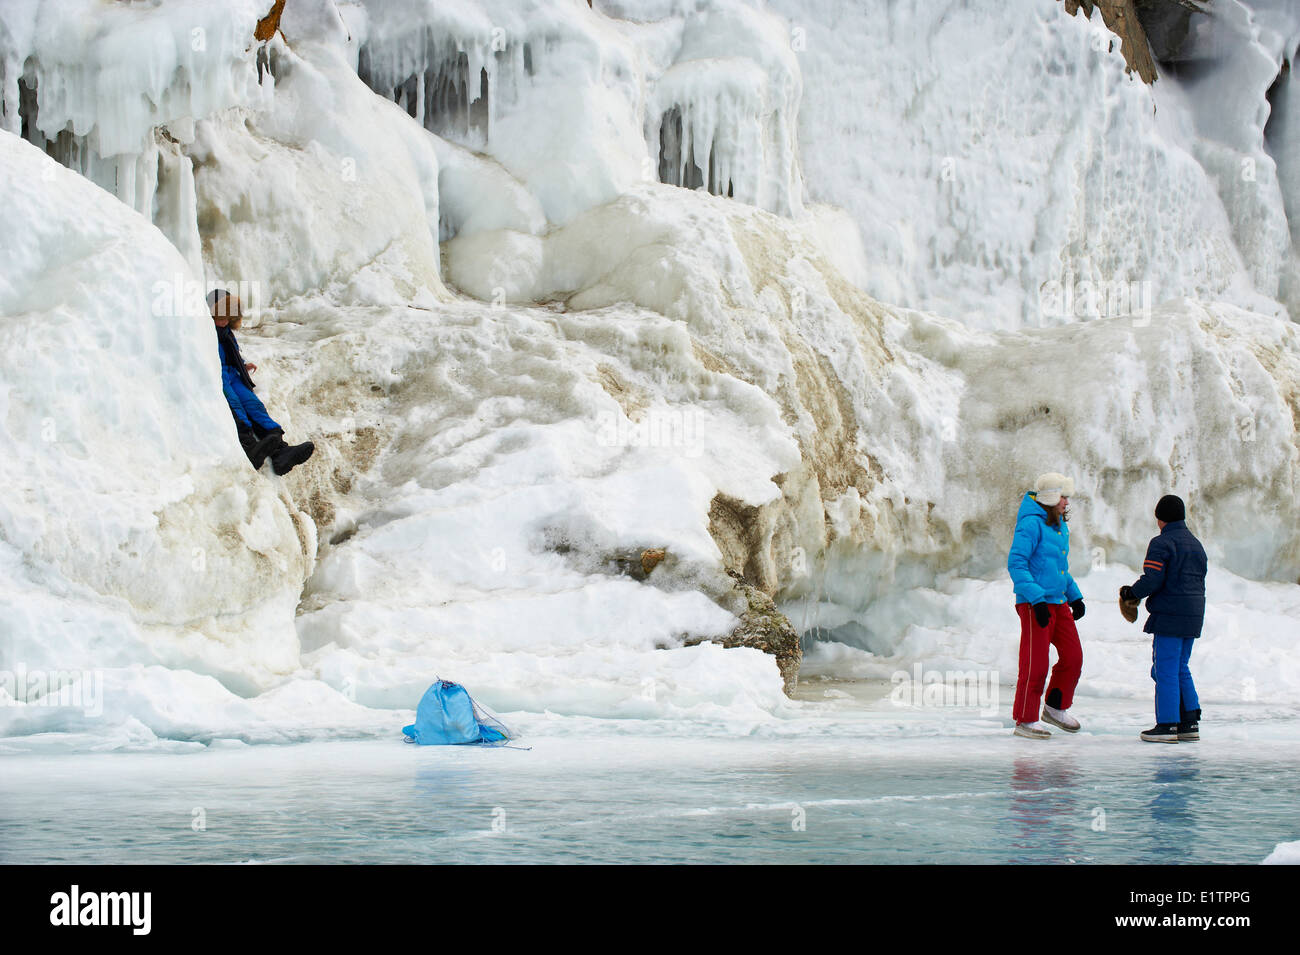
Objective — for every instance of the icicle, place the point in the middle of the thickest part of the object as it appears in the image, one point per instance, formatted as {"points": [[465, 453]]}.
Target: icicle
{"points": [[175, 204], [493, 89], [9, 120], [145, 167], [126, 179]]}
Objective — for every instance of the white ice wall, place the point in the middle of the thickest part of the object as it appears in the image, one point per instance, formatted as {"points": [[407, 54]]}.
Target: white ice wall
{"points": [[989, 149], [329, 189], [986, 152], [134, 96], [118, 87]]}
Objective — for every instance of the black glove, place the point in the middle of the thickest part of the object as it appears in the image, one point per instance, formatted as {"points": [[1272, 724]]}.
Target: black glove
{"points": [[1126, 593], [1076, 608], [1043, 614]]}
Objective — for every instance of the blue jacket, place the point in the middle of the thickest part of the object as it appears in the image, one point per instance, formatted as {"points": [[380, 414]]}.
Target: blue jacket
{"points": [[1038, 562], [1173, 581], [232, 362]]}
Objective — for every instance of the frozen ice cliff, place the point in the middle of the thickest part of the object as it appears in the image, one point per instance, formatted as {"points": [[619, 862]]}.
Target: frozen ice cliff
{"points": [[990, 151], [803, 291]]}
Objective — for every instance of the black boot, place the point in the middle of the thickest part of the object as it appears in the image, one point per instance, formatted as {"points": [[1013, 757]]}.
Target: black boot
{"points": [[286, 457], [1189, 726], [1161, 733], [246, 437], [256, 448]]}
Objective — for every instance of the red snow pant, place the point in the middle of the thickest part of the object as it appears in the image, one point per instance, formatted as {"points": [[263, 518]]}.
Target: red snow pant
{"points": [[1034, 641]]}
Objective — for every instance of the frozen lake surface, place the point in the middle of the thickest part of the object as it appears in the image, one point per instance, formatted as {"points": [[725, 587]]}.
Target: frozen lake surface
{"points": [[858, 780]]}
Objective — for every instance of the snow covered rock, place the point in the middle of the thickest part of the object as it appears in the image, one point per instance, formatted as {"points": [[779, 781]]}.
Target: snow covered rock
{"points": [[132, 527], [1122, 18], [764, 627]]}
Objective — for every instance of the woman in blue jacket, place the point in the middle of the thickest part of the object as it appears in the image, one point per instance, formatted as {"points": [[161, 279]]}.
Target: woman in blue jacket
{"points": [[1048, 602]]}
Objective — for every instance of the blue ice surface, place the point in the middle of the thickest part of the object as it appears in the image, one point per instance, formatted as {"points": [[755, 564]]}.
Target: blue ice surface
{"points": [[907, 788]]}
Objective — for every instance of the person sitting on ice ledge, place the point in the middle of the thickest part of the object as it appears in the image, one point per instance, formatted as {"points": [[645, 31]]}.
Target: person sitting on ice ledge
{"points": [[1048, 602], [259, 435], [1173, 581]]}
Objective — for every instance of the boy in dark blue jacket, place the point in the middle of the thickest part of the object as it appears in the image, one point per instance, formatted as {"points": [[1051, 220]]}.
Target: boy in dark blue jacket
{"points": [[1173, 581], [259, 434]]}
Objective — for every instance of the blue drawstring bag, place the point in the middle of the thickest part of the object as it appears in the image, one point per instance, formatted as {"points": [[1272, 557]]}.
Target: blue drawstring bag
{"points": [[447, 715]]}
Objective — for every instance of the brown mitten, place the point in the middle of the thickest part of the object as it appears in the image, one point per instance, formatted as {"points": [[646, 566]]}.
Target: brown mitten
{"points": [[1129, 608]]}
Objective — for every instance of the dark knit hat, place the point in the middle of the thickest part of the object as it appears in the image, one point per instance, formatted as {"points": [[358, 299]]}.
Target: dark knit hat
{"points": [[1171, 509], [223, 305]]}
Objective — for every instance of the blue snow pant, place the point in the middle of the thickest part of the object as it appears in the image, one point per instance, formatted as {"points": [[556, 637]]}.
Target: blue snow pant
{"points": [[246, 406], [1175, 691]]}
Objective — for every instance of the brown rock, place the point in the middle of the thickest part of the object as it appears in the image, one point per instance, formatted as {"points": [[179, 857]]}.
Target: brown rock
{"points": [[269, 24], [1121, 18], [765, 628]]}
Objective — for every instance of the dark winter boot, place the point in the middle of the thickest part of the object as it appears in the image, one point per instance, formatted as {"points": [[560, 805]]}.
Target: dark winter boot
{"points": [[1162, 733], [286, 457], [256, 448], [1189, 726], [246, 437]]}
